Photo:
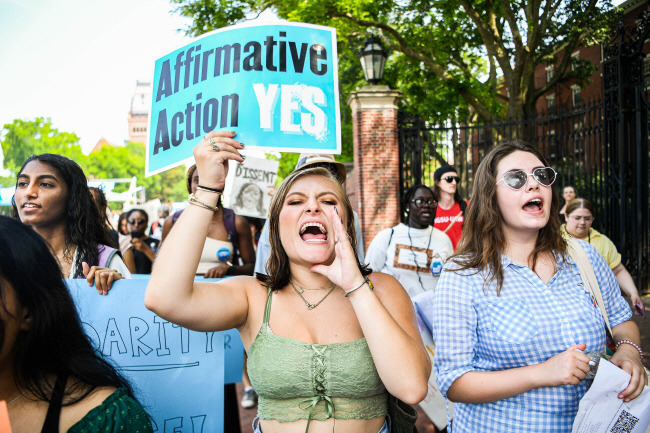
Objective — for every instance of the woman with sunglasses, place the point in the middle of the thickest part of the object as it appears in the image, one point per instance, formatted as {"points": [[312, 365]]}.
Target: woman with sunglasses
{"points": [[449, 215], [144, 246], [413, 251], [512, 320], [579, 217], [52, 197]]}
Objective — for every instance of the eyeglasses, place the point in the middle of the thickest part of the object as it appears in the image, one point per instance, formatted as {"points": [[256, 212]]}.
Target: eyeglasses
{"points": [[138, 222], [420, 203], [517, 179], [450, 179]]}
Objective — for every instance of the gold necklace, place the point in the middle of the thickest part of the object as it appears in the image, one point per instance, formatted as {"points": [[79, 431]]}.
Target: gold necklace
{"points": [[311, 306], [13, 400]]}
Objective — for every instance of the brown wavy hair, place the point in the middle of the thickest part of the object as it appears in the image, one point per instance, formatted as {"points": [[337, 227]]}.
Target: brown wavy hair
{"points": [[483, 240], [579, 203], [277, 267]]}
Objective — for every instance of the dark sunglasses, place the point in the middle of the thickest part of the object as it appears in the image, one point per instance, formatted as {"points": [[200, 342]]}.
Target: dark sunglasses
{"points": [[450, 179], [136, 221], [420, 203], [517, 179]]}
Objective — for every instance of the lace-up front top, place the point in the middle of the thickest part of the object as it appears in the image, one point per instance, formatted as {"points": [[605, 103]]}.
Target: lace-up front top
{"points": [[297, 380]]}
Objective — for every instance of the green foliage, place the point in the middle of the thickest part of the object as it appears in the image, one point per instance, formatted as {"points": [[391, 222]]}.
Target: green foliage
{"points": [[447, 54], [24, 138]]}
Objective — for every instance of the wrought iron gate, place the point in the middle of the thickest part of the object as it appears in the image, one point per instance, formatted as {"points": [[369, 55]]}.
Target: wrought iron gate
{"points": [[600, 147]]}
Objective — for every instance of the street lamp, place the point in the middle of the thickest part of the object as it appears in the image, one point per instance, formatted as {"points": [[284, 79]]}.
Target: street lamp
{"points": [[373, 58]]}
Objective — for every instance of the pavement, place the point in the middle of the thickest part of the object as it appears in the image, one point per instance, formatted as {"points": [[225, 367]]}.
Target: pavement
{"points": [[424, 425]]}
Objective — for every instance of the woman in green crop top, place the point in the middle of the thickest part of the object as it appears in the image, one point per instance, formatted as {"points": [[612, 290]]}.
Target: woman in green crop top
{"points": [[326, 338]]}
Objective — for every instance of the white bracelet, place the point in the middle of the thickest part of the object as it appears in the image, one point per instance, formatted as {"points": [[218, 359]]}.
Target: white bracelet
{"points": [[366, 280], [631, 343]]}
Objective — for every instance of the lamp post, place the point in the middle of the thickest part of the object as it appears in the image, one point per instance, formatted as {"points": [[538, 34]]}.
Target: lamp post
{"points": [[373, 58]]}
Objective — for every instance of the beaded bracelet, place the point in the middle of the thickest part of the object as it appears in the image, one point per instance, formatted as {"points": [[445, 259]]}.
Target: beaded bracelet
{"points": [[631, 343], [366, 280], [195, 201], [208, 189]]}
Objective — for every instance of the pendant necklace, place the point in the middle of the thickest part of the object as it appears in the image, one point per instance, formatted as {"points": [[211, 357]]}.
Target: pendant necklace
{"points": [[311, 306]]}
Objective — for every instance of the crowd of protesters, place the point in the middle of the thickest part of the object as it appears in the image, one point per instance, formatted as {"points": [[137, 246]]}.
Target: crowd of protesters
{"points": [[329, 330]]}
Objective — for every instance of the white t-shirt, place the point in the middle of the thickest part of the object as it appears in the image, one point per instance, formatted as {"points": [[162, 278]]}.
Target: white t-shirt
{"points": [[408, 254]]}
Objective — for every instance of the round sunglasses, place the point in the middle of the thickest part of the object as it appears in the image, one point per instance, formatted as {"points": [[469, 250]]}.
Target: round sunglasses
{"points": [[517, 179]]}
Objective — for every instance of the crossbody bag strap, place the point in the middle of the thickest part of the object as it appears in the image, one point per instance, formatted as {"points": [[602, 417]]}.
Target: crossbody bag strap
{"points": [[579, 255], [453, 222]]}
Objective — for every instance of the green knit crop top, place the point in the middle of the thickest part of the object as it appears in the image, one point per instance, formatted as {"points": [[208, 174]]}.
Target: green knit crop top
{"points": [[296, 380]]}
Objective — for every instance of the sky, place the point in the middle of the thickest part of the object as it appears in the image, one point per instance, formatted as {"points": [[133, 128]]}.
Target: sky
{"points": [[78, 61]]}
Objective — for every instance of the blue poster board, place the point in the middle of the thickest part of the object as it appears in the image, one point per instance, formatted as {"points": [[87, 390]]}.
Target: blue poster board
{"points": [[178, 374], [275, 85]]}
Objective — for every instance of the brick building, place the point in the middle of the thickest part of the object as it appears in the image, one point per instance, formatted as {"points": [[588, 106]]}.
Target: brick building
{"points": [[568, 91], [139, 112]]}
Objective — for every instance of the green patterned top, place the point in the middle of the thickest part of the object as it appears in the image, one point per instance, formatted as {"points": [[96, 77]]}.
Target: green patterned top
{"points": [[118, 413]]}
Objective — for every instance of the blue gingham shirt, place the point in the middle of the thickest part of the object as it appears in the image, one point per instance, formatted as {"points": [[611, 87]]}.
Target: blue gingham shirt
{"points": [[528, 323]]}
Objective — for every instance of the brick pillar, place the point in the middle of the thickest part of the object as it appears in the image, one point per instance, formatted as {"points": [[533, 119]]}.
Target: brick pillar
{"points": [[376, 158]]}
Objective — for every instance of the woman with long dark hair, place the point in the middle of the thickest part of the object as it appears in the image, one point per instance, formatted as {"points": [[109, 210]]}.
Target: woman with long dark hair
{"points": [[50, 374], [52, 197], [512, 318], [325, 337], [413, 251]]}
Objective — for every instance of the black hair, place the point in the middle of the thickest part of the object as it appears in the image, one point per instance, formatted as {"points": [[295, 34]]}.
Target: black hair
{"points": [[122, 217], [84, 228], [55, 343], [146, 215], [408, 196]]}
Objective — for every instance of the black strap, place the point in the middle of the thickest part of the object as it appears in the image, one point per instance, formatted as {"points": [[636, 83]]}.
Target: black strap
{"points": [[51, 424]]}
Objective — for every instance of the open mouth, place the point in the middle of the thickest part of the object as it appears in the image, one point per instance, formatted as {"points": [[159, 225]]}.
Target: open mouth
{"points": [[313, 232], [30, 206], [533, 205]]}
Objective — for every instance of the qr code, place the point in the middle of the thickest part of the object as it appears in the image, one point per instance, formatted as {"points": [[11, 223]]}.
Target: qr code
{"points": [[625, 423]]}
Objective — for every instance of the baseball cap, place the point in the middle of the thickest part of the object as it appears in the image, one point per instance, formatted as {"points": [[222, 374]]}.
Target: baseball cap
{"points": [[306, 160]]}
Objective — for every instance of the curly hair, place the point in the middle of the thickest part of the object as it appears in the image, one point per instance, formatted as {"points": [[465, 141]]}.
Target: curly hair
{"points": [[84, 227], [483, 239], [277, 266]]}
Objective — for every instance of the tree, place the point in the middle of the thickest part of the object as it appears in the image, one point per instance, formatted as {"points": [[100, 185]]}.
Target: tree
{"points": [[482, 53], [24, 138]]}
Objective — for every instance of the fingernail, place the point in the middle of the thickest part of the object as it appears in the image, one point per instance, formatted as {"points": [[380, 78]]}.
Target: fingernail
{"points": [[241, 144], [233, 133], [336, 210], [242, 156]]}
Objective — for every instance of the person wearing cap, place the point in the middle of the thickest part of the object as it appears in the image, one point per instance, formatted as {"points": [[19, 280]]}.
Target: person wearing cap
{"points": [[449, 215], [308, 160]]}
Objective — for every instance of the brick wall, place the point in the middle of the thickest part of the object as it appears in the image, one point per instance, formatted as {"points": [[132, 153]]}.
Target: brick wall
{"points": [[376, 159]]}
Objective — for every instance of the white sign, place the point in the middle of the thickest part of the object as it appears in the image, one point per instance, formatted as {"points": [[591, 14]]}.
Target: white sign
{"points": [[249, 184]]}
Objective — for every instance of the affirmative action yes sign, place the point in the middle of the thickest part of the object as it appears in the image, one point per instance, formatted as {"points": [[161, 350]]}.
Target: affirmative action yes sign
{"points": [[275, 85]]}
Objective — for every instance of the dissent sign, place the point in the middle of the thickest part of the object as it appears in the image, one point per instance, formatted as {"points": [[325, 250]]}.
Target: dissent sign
{"points": [[275, 85]]}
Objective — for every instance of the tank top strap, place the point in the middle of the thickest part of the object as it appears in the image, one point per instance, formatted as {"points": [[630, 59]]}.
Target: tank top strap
{"points": [[267, 309]]}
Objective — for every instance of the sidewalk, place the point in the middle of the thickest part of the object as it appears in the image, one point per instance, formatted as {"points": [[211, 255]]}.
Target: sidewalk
{"points": [[424, 425]]}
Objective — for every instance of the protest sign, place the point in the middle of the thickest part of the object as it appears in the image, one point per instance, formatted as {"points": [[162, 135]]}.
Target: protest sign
{"points": [[178, 374], [248, 185], [275, 85]]}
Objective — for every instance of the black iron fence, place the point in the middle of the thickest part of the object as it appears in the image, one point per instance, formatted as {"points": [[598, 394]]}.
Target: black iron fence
{"points": [[573, 138]]}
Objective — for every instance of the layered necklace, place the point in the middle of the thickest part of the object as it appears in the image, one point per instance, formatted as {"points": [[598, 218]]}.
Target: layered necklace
{"points": [[301, 290]]}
